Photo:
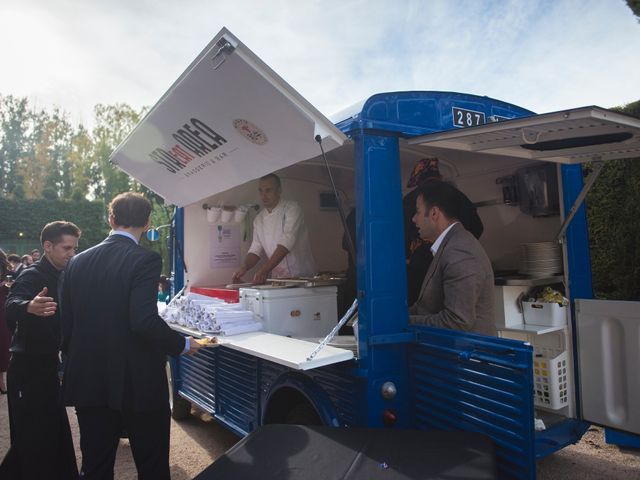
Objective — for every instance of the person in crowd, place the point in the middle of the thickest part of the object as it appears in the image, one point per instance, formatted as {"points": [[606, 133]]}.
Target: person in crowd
{"points": [[116, 347], [27, 260], [5, 335], [279, 231], [417, 250], [15, 263], [164, 289], [457, 291], [41, 443], [35, 254]]}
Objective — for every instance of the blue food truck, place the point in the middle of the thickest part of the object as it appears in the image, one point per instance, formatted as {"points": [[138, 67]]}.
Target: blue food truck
{"points": [[534, 389]]}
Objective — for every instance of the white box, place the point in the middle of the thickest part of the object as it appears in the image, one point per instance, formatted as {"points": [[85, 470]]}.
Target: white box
{"points": [[506, 311], [293, 311], [542, 313]]}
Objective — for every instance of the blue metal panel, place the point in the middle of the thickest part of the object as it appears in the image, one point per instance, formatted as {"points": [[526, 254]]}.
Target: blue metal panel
{"points": [[559, 436], [622, 439], [577, 238], [237, 389], [178, 266], [382, 308], [469, 382], [578, 256], [419, 113]]}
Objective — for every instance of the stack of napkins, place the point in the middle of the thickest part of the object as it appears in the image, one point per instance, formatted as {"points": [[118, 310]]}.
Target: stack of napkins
{"points": [[228, 319], [210, 315]]}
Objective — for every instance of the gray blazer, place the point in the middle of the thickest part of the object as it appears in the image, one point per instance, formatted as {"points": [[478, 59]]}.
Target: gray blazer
{"points": [[457, 291]]}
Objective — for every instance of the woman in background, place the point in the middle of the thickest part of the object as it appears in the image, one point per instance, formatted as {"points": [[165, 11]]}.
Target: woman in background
{"points": [[164, 289]]}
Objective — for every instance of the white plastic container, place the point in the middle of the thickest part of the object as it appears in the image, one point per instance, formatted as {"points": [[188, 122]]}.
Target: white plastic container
{"points": [[550, 378], [295, 311], [506, 310], [546, 314]]}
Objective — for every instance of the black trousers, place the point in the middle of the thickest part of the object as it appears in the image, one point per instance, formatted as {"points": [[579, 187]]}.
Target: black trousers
{"points": [[41, 443], [100, 429]]}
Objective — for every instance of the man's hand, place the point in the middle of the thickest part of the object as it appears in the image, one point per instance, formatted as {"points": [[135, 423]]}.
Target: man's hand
{"points": [[41, 305], [193, 346], [260, 277], [237, 276]]}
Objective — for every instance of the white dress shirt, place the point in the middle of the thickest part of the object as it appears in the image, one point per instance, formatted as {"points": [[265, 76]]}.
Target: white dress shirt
{"points": [[285, 226], [438, 242]]}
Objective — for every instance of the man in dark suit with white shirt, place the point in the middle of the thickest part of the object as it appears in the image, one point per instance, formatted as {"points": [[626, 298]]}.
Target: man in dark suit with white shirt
{"points": [[116, 347], [457, 291]]}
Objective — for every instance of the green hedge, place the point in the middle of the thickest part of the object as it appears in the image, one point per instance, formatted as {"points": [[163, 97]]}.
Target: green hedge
{"points": [[29, 216]]}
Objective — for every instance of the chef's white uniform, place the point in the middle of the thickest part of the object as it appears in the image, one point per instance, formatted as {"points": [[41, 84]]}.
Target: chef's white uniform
{"points": [[285, 226]]}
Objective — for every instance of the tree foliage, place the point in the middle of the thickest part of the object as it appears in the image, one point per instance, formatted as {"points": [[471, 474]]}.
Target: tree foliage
{"points": [[613, 210], [48, 164], [634, 5]]}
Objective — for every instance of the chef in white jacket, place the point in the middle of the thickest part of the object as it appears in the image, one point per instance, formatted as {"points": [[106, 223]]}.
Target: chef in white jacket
{"points": [[279, 232]]}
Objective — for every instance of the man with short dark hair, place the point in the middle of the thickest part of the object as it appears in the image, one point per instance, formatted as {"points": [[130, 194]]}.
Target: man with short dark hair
{"points": [[117, 347], [457, 291], [35, 254], [41, 444], [279, 233], [15, 262]]}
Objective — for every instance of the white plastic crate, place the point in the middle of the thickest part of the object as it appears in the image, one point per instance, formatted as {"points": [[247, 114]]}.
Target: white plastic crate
{"points": [[547, 314], [550, 378]]}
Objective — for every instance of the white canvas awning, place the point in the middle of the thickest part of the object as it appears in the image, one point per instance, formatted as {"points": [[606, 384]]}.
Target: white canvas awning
{"points": [[228, 119]]}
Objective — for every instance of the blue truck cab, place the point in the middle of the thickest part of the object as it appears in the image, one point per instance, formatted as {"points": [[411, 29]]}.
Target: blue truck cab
{"points": [[229, 119]]}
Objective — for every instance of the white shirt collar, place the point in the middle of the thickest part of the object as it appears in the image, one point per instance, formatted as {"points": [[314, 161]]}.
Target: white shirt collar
{"points": [[438, 242], [124, 234]]}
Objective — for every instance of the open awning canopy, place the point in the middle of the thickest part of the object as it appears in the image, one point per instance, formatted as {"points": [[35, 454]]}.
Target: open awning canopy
{"points": [[228, 119], [570, 136]]}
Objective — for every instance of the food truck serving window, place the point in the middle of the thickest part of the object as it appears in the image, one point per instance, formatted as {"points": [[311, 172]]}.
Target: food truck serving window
{"points": [[228, 119]]}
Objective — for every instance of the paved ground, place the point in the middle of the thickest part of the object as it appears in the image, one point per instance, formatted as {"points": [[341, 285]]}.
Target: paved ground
{"points": [[199, 440]]}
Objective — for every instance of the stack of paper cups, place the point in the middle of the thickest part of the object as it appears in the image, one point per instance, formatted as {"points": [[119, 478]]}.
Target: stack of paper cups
{"points": [[226, 216], [239, 214], [213, 214]]}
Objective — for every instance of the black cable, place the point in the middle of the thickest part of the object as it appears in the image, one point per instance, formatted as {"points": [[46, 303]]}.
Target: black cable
{"points": [[350, 243]]}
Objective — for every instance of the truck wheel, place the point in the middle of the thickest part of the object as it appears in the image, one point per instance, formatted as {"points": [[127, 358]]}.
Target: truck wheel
{"points": [[303, 414], [180, 408]]}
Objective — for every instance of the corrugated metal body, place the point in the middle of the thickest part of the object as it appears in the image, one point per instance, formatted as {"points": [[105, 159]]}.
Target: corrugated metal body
{"points": [[476, 383], [233, 386]]}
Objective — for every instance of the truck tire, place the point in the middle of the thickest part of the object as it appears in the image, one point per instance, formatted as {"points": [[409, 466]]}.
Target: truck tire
{"points": [[303, 414], [180, 408]]}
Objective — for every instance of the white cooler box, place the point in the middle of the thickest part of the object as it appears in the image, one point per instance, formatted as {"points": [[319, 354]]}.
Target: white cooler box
{"points": [[293, 311]]}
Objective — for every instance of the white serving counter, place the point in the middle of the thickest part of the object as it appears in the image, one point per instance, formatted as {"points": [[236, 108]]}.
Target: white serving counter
{"points": [[290, 352]]}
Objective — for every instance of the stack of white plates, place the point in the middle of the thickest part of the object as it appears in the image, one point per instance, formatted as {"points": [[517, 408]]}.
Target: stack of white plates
{"points": [[540, 259]]}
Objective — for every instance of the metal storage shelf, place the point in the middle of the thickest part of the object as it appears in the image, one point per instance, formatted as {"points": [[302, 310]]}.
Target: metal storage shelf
{"points": [[535, 329]]}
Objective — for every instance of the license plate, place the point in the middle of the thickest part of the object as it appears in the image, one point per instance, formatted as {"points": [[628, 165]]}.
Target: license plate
{"points": [[467, 118]]}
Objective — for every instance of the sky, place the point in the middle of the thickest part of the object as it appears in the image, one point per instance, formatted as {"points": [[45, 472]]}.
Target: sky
{"points": [[544, 55]]}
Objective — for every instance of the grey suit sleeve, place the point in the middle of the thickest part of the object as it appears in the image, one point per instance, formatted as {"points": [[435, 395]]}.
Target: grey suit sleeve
{"points": [[462, 277], [143, 308]]}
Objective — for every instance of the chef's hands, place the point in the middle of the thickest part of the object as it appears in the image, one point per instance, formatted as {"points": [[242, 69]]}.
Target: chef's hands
{"points": [[237, 276], [260, 277], [41, 305]]}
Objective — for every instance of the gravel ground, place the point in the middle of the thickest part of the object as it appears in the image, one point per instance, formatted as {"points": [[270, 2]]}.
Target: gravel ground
{"points": [[197, 441]]}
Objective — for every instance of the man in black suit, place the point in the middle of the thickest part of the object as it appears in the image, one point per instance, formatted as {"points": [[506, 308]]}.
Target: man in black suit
{"points": [[116, 347]]}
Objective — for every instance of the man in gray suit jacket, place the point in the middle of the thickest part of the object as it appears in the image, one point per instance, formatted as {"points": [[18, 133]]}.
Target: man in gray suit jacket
{"points": [[457, 291]]}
